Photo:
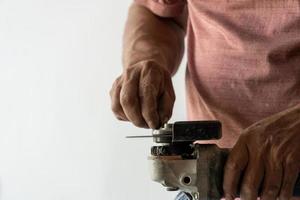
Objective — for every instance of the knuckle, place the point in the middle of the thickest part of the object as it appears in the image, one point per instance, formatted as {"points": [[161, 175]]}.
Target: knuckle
{"points": [[272, 190], [115, 87], [248, 189], [231, 165], [147, 90], [127, 100]]}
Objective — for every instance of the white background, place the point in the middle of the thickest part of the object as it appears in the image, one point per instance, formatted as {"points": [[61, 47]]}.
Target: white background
{"points": [[58, 137]]}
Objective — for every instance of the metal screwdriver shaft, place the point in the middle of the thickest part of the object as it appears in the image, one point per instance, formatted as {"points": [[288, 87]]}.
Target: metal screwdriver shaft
{"points": [[148, 136]]}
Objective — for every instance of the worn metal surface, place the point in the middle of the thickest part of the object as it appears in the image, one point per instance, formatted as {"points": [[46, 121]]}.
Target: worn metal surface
{"points": [[201, 177]]}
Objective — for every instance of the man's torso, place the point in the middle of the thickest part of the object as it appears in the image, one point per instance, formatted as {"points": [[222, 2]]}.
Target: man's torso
{"points": [[243, 61]]}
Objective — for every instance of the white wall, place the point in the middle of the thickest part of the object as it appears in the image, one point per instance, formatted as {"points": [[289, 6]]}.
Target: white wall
{"points": [[58, 137]]}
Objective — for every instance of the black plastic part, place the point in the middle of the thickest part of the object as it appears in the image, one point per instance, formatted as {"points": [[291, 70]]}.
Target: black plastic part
{"points": [[191, 131]]}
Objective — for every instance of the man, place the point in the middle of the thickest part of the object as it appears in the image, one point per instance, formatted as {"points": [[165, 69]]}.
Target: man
{"points": [[243, 68]]}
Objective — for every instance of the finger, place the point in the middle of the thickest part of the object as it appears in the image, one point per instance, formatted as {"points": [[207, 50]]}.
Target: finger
{"points": [[115, 100], [150, 83], [252, 177], [166, 102], [149, 107], [235, 165], [290, 175], [129, 100], [272, 180]]}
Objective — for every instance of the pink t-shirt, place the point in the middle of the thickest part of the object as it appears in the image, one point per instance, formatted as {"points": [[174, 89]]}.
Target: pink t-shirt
{"points": [[243, 59]]}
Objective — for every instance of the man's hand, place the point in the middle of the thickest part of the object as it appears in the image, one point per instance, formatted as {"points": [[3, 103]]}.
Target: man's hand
{"points": [[152, 50], [266, 155], [144, 95]]}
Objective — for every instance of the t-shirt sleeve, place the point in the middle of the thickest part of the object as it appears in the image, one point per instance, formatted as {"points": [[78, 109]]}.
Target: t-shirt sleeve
{"points": [[164, 8]]}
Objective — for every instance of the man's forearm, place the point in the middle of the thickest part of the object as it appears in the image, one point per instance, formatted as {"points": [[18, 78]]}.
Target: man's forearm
{"points": [[148, 37], [153, 47]]}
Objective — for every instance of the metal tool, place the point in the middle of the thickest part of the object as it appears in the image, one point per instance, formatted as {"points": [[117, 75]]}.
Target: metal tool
{"points": [[196, 169]]}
